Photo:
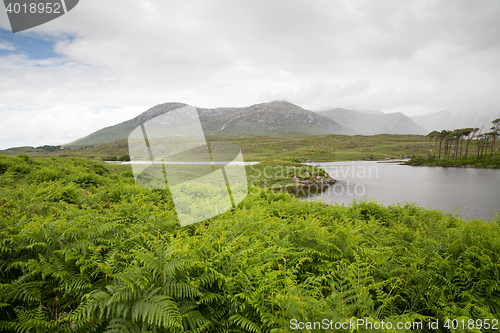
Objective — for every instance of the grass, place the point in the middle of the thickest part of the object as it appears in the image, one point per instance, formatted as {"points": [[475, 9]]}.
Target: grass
{"points": [[317, 148], [330, 148], [470, 162]]}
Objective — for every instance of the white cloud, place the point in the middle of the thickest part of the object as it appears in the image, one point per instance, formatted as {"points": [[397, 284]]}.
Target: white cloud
{"points": [[6, 46], [59, 124], [413, 56]]}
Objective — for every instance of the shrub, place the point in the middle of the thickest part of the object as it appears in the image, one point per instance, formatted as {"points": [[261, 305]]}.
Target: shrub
{"points": [[4, 165], [109, 158], [87, 179], [44, 174], [124, 158], [98, 168]]}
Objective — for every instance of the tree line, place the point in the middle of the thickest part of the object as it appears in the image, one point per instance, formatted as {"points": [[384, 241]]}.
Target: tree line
{"points": [[451, 142]]}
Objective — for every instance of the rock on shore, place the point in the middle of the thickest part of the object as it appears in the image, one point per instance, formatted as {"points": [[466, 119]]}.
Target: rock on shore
{"points": [[319, 180]]}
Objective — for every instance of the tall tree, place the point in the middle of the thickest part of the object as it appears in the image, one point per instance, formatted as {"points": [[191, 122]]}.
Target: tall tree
{"points": [[479, 145], [489, 136], [482, 144], [442, 135], [465, 135], [435, 141], [471, 136], [496, 130], [449, 140], [457, 134], [431, 135]]}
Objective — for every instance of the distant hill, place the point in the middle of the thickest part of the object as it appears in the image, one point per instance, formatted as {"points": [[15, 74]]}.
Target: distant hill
{"points": [[272, 119], [450, 120], [374, 122]]}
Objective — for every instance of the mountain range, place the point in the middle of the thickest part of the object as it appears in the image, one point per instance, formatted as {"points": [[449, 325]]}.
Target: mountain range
{"points": [[281, 118], [450, 120], [277, 118], [374, 122]]}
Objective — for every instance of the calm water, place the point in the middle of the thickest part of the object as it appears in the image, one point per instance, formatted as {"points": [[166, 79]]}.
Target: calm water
{"points": [[467, 191]]}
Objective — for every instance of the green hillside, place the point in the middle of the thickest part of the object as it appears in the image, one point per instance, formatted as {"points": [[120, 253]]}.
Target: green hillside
{"points": [[259, 148]]}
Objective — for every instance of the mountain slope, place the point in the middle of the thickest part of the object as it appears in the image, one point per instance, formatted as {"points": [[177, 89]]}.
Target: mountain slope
{"points": [[122, 130], [374, 122], [272, 119]]}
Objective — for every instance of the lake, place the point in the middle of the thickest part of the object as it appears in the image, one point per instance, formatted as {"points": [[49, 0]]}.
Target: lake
{"points": [[469, 192]]}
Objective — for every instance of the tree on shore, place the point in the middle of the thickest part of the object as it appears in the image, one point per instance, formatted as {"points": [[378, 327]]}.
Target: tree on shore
{"points": [[432, 135], [471, 135], [496, 130], [481, 144], [457, 135], [442, 135], [465, 135], [449, 140]]}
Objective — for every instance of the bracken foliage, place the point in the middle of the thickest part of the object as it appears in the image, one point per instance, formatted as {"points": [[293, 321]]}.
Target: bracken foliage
{"points": [[83, 249]]}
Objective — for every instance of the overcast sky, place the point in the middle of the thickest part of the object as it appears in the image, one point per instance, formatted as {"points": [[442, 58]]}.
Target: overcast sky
{"points": [[107, 61]]}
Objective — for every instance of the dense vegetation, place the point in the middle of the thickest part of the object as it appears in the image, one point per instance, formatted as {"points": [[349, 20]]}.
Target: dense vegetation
{"points": [[479, 151], [83, 249]]}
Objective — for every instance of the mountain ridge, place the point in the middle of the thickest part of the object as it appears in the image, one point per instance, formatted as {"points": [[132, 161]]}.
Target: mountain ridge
{"points": [[374, 122], [450, 120], [278, 118]]}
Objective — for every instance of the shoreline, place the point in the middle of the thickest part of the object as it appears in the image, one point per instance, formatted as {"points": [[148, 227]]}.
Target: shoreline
{"points": [[469, 163]]}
